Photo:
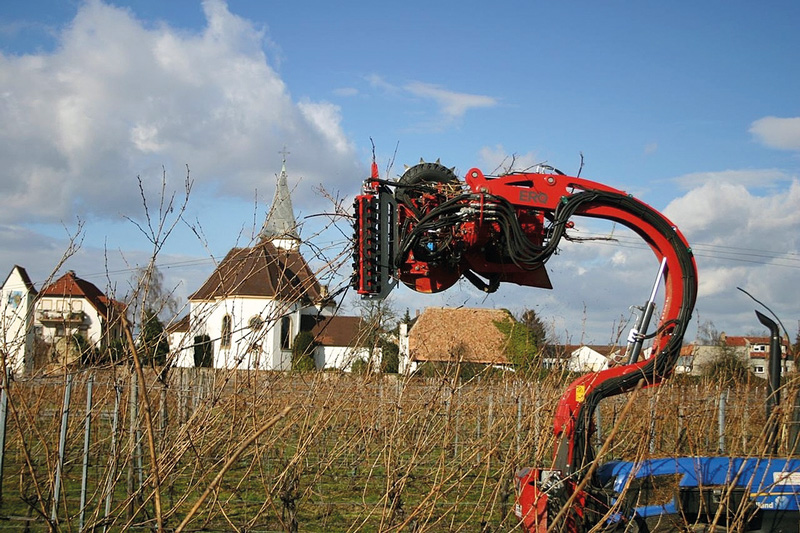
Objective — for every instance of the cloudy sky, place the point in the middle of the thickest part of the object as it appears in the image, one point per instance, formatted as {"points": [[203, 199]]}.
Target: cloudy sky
{"points": [[692, 107]]}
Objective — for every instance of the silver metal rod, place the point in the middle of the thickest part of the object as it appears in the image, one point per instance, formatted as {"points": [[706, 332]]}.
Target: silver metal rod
{"points": [[112, 474], [3, 415], [62, 443], [87, 433], [637, 334]]}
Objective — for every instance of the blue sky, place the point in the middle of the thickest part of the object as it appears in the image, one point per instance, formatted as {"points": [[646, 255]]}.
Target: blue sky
{"points": [[693, 107]]}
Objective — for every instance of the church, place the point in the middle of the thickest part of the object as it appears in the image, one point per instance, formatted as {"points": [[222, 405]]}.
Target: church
{"points": [[248, 312]]}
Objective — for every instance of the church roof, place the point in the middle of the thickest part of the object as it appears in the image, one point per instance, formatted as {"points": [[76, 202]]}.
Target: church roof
{"points": [[262, 271], [280, 223]]}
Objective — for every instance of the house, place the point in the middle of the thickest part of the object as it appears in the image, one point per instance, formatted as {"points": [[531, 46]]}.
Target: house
{"points": [[587, 359], [181, 342], [17, 297], [71, 305], [753, 350], [685, 363], [445, 335], [582, 358], [341, 341], [250, 309]]}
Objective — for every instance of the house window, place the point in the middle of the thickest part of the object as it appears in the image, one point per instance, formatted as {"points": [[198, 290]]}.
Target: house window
{"points": [[760, 348], [758, 369], [225, 336], [255, 323], [286, 333]]}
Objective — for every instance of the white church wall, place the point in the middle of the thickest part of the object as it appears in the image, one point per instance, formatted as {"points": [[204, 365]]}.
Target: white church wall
{"points": [[250, 345]]}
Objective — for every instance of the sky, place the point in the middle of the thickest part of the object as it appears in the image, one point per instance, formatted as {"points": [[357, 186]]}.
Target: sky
{"points": [[692, 107]]}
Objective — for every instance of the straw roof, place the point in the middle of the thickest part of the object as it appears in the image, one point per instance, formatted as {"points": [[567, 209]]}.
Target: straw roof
{"points": [[464, 334]]}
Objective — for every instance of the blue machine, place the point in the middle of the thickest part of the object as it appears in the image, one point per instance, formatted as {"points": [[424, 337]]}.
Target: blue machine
{"points": [[748, 494]]}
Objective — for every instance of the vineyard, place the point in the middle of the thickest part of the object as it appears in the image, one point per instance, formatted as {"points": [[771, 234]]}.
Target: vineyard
{"points": [[216, 450]]}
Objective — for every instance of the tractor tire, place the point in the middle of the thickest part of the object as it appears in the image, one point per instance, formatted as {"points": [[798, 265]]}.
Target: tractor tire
{"points": [[419, 176], [424, 173], [425, 179]]}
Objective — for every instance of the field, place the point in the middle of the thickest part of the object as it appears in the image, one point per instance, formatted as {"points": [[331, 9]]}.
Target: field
{"points": [[259, 451]]}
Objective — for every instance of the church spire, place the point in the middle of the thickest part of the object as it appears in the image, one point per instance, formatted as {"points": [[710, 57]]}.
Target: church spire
{"points": [[280, 227]]}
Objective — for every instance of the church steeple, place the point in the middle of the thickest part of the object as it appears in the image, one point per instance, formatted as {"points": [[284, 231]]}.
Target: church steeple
{"points": [[281, 227]]}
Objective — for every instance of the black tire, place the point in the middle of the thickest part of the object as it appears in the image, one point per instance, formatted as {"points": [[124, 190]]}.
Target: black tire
{"points": [[427, 173], [415, 182], [420, 175]]}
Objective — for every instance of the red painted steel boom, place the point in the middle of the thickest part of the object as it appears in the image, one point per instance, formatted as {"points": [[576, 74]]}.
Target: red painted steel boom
{"points": [[435, 229]]}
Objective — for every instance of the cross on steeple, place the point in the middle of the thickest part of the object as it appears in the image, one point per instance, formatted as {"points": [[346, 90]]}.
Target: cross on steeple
{"points": [[284, 153]]}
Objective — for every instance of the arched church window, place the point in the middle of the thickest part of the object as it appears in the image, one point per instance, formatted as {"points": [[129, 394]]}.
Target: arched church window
{"points": [[225, 336]]}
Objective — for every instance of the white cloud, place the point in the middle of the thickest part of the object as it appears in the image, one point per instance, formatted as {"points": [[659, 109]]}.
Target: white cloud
{"points": [[741, 239], [758, 177], [327, 118], [119, 98], [497, 159], [452, 104], [731, 214], [376, 81], [346, 91], [776, 132]]}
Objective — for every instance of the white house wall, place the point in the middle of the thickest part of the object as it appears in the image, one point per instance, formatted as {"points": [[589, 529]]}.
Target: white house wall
{"points": [[181, 349], [339, 357], [91, 327], [17, 320], [584, 359]]}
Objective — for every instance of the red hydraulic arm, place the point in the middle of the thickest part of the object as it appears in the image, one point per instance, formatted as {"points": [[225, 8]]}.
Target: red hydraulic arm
{"points": [[434, 229]]}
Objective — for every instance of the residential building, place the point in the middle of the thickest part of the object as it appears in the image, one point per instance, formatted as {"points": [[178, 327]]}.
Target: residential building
{"points": [[17, 297], [71, 305], [752, 350], [341, 341], [582, 357], [755, 350], [444, 335]]}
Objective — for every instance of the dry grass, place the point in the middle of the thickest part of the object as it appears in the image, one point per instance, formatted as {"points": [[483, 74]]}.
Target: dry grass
{"points": [[353, 453]]}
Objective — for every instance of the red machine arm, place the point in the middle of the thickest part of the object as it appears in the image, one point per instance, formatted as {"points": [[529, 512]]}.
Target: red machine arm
{"points": [[504, 229]]}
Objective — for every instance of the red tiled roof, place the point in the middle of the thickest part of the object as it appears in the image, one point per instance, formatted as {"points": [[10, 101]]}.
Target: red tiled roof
{"points": [[731, 340], [70, 285]]}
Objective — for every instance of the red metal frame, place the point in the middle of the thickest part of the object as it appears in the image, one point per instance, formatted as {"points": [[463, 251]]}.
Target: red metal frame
{"points": [[536, 198]]}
